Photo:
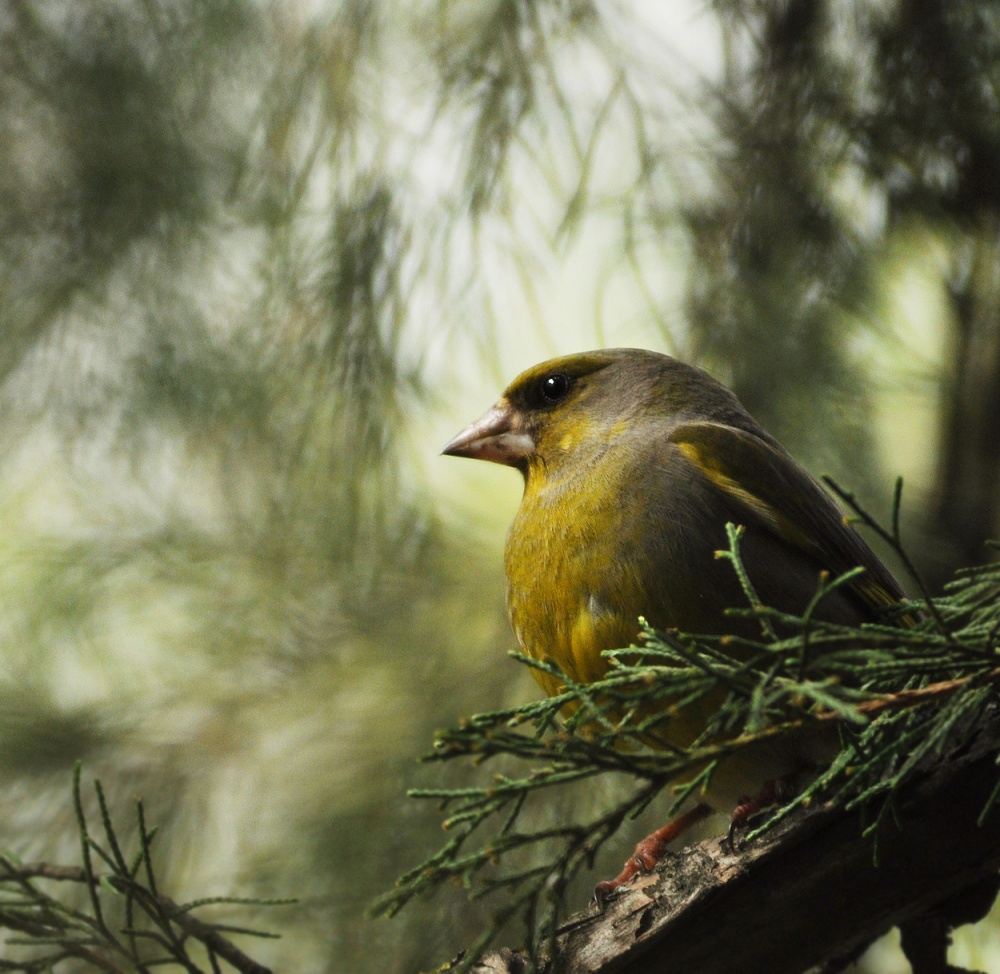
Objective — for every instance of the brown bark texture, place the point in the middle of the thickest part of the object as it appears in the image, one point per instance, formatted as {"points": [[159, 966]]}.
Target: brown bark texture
{"points": [[809, 896]]}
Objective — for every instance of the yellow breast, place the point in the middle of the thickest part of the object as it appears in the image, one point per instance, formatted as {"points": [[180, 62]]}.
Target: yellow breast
{"points": [[571, 592]]}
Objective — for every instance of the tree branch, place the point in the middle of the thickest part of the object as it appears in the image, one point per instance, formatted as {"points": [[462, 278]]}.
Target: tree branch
{"points": [[810, 894], [191, 925]]}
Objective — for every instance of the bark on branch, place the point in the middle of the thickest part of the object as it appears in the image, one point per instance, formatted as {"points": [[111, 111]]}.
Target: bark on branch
{"points": [[809, 896]]}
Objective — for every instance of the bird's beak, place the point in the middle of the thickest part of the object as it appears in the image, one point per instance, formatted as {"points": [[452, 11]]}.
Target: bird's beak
{"points": [[498, 435]]}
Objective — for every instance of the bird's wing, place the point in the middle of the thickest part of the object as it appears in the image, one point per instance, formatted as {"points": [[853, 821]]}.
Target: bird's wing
{"points": [[779, 495]]}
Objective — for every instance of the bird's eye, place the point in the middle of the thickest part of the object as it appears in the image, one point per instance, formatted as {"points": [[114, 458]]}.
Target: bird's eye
{"points": [[554, 387]]}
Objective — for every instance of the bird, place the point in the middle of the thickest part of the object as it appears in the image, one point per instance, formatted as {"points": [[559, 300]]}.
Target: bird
{"points": [[633, 464]]}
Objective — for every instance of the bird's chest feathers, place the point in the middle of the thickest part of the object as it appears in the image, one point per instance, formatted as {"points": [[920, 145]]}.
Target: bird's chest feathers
{"points": [[571, 592]]}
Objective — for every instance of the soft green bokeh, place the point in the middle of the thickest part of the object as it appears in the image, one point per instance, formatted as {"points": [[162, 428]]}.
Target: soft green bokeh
{"points": [[258, 261]]}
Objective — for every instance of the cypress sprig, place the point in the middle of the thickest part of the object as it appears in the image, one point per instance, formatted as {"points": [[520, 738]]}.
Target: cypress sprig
{"points": [[899, 697], [128, 924]]}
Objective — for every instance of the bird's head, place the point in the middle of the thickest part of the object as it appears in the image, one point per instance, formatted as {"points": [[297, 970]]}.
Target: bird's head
{"points": [[584, 401]]}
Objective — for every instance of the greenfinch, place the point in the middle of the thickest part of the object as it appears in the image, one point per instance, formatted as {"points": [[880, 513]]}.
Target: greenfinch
{"points": [[633, 464]]}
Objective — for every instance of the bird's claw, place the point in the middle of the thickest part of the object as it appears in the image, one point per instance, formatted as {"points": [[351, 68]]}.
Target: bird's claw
{"points": [[601, 893], [773, 792]]}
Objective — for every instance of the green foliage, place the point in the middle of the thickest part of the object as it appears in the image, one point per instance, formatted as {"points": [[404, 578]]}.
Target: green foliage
{"points": [[221, 568], [898, 696], [126, 923], [245, 243]]}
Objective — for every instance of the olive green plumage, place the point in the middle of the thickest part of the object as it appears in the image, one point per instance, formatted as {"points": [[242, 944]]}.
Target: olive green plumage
{"points": [[633, 463]]}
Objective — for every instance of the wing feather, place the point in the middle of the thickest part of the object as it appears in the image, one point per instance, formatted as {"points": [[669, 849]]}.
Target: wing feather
{"points": [[763, 481]]}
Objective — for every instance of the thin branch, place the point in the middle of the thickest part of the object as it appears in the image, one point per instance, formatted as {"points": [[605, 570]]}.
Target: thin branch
{"points": [[46, 921]]}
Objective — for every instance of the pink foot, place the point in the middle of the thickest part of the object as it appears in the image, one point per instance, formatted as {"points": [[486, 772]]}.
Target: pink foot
{"points": [[649, 851]]}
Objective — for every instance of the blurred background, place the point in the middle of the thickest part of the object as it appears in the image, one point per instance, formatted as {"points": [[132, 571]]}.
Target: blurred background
{"points": [[260, 259]]}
